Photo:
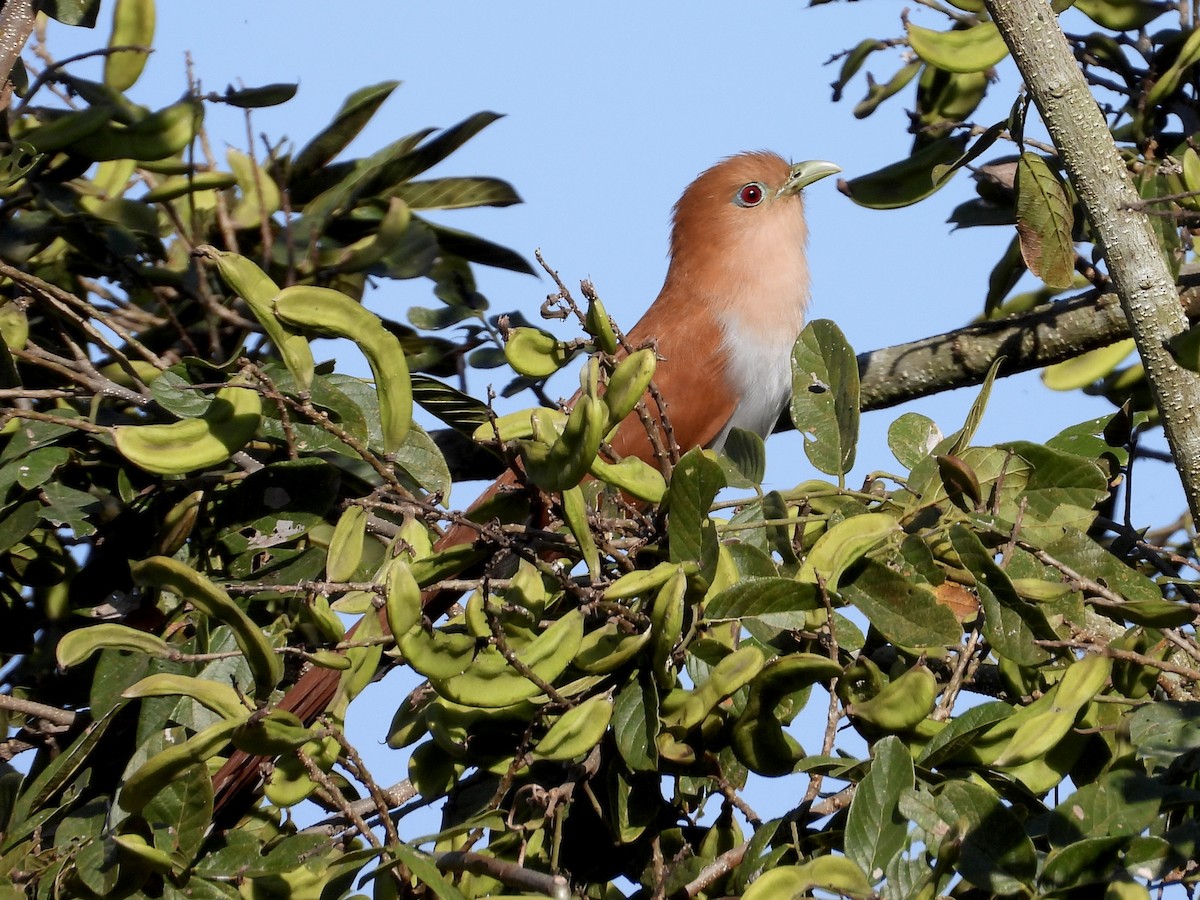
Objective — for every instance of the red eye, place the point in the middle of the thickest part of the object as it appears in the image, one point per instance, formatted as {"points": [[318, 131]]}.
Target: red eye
{"points": [[751, 194]]}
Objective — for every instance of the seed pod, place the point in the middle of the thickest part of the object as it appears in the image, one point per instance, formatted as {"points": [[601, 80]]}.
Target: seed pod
{"points": [[215, 695], [189, 585], [254, 286], [535, 353], [332, 313], [230, 421], [489, 681], [631, 476], [901, 704], [576, 731], [628, 383], [164, 767], [346, 546], [973, 49], [133, 26]]}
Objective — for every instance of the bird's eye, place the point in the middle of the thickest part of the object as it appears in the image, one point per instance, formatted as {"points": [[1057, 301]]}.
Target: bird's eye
{"points": [[750, 194]]}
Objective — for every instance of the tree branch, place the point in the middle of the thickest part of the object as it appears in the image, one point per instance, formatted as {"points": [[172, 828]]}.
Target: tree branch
{"points": [[1131, 249], [960, 358], [16, 24]]}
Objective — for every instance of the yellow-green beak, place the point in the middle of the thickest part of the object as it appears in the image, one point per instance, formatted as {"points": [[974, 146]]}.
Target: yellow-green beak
{"points": [[805, 173]]}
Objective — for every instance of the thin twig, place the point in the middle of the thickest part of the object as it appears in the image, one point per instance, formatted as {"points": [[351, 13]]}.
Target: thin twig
{"points": [[39, 710]]}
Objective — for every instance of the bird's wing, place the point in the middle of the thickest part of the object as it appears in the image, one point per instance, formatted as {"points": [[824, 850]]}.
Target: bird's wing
{"points": [[691, 377]]}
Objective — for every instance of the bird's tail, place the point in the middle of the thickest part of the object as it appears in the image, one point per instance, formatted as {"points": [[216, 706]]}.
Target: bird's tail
{"points": [[236, 781]]}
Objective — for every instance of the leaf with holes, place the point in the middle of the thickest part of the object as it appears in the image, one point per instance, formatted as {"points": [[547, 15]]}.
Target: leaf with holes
{"points": [[825, 396]]}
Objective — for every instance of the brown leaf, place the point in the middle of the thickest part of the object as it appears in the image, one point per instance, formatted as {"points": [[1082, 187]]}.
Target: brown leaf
{"points": [[1044, 222]]}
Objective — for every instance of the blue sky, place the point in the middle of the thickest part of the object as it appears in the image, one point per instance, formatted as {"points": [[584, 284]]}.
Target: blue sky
{"points": [[611, 109]]}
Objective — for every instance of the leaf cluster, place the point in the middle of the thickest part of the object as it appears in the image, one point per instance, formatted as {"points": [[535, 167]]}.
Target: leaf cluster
{"points": [[966, 678], [1142, 66]]}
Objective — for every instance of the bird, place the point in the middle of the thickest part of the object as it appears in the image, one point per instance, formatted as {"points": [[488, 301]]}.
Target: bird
{"points": [[723, 326]]}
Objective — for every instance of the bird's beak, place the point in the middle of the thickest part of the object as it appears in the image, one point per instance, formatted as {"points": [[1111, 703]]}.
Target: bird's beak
{"points": [[805, 173]]}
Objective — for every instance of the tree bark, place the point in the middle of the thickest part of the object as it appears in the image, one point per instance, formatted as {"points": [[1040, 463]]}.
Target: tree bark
{"points": [[1101, 179], [16, 24]]}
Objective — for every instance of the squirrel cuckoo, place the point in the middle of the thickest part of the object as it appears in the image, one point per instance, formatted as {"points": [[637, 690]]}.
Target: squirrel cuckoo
{"points": [[723, 326]]}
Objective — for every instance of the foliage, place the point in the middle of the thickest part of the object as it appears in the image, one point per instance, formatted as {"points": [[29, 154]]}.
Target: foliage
{"points": [[1001, 678], [1143, 80]]}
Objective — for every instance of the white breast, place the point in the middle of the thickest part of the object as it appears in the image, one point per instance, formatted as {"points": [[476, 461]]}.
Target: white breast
{"points": [[760, 370]]}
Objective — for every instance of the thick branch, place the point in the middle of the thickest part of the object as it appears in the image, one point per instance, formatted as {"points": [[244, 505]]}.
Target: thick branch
{"points": [[16, 24], [959, 358], [1101, 179]]}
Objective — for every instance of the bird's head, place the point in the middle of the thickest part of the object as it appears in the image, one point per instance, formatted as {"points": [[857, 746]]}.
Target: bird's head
{"points": [[742, 194], [741, 219]]}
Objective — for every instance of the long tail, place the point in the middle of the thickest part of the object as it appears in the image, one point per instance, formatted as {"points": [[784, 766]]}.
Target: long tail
{"points": [[236, 782]]}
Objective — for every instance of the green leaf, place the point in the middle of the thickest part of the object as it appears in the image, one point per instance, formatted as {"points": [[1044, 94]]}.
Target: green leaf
{"points": [[1044, 222], [69, 508], [943, 172], [912, 437], [1104, 436], [745, 454], [1089, 860], [18, 522], [456, 193], [176, 394], [420, 457], [635, 724], [1163, 732], [995, 853], [875, 829], [61, 771], [435, 319], [1010, 624], [695, 482], [181, 814], [908, 181], [161, 769], [1062, 490], [825, 396], [778, 602], [356, 111], [964, 436], [458, 410], [478, 250], [434, 151], [904, 611], [1121, 803], [1083, 554], [422, 866], [778, 537], [363, 178]]}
